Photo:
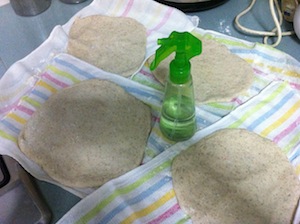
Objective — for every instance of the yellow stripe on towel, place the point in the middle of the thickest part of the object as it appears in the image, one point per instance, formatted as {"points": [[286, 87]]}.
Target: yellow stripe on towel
{"points": [[297, 170], [47, 86], [63, 74], [281, 120], [141, 213], [16, 118], [5, 135]]}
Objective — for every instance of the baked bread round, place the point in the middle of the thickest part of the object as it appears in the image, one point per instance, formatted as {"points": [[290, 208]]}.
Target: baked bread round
{"points": [[218, 75], [235, 176], [87, 134], [114, 44]]}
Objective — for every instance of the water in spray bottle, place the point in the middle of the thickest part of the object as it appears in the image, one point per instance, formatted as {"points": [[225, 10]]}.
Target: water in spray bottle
{"points": [[177, 120]]}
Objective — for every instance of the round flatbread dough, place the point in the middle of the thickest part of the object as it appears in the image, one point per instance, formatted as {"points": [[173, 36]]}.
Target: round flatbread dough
{"points": [[87, 134], [114, 44], [218, 75], [235, 176]]}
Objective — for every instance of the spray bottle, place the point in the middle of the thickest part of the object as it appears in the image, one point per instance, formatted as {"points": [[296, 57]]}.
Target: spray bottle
{"points": [[177, 120]]}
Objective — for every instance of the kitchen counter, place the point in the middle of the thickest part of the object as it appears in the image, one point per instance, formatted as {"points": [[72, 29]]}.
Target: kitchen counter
{"points": [[21, 35]]}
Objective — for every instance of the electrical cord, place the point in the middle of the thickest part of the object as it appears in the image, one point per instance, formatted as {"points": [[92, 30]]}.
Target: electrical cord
{"points": [[276, 32]]}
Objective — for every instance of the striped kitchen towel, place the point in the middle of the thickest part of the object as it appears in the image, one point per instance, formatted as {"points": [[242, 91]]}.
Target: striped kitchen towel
{"points": [[268, 65], [158, 19], [146, 194], [29, 82]]}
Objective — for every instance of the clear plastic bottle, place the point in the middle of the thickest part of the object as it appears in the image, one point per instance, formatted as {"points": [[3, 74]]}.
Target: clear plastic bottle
{"points": [[177, 120]]}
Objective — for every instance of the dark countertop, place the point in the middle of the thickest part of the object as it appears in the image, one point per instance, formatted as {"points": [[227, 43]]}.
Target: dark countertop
{"points": [[21, 35]]}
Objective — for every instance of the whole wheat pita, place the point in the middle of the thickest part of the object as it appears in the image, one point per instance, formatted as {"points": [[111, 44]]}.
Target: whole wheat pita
{"points": [[87, 134]]}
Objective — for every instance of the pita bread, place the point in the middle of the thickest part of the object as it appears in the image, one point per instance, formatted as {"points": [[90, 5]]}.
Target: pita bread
{"points": [[114, 44], [87, 134], [218, 75], [235, 176]]}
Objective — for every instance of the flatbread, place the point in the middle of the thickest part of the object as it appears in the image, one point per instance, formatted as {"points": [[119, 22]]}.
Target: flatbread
{"points": [[87, 134], [114, 44], [218, 75], [235, 176]]}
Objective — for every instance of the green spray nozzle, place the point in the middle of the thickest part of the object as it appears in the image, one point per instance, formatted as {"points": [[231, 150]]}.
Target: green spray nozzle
{"points": [[186, 46]]}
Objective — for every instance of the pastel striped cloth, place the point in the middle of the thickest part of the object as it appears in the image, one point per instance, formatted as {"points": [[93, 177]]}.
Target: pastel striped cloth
{"points": [[158, 19], [268, 65], [270, 108], [29, 82], [146, 195]]}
